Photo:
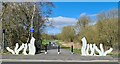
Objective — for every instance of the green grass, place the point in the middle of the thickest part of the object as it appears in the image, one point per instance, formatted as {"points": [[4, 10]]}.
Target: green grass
{"points": [[4, 53], [115, 54], [76, 51], [45, 42]]}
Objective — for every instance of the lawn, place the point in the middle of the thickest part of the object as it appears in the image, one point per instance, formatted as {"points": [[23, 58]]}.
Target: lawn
{"points": [[76, 51]]}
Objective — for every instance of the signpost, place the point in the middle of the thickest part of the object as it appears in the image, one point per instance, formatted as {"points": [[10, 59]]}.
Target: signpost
{"points": [[32, 29]]}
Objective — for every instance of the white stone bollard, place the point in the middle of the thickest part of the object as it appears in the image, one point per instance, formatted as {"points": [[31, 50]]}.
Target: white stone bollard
{"points": [[98, 50], [16, 47], [87, 50], [86, 47], [24, 50], [19, 49], [24, 47], [10, 50], [31, 45], [84, 44], [108, 51], [92, 50], [101, 48]]}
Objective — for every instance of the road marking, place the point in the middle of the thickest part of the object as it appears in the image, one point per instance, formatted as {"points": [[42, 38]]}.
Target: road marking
{"points": [[31, 60]]}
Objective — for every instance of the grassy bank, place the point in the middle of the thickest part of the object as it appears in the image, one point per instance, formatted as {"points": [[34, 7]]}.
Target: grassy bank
{"points": [[76, 51]]}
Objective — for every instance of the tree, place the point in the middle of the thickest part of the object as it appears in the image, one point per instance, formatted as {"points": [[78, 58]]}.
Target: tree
{"points": [[105, 30], [16, 20], [83, 21], [82, 26], [107, 27], [68, 33]]}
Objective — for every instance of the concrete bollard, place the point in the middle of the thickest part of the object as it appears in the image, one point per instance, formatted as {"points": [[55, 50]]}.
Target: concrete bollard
{"points": [[72, 52], [46, 49], [58, 49], [3, 42]]}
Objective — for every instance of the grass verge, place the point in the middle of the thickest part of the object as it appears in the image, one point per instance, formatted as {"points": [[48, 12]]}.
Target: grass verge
{"points": [[76, 51]]}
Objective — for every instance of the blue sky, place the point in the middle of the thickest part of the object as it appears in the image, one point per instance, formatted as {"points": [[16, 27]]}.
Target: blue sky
{"points": [[67, 13]]}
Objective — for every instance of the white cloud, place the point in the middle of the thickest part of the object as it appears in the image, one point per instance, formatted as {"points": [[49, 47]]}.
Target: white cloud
{"points": [[60, 22], [92, 17], [82, 14]]}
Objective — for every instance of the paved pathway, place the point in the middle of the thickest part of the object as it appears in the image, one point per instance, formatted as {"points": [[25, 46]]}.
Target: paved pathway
{"points": [[53, 56]]}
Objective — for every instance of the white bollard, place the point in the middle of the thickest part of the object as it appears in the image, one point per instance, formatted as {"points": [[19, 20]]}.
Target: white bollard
{"points": [[10, 50], [58, 52], [92, 50], [46, 52], [87, 50], [31, 45], [101, 48], [19, 49], [84, 44], [24, 50], [108, 51], [16, 47]]}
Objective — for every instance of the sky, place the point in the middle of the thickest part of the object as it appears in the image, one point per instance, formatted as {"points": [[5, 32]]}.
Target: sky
{"points": [[67, 13]]}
